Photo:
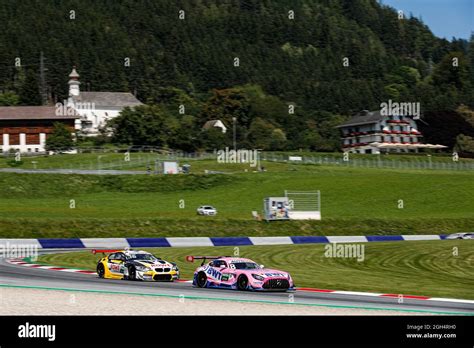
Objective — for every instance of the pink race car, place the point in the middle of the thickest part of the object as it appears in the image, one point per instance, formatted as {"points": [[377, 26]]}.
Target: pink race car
{"points": [[227, 272]]}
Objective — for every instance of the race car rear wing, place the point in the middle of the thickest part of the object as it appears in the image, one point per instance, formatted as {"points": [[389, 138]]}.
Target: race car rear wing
{"points": [[191, 258], [104, 251]]}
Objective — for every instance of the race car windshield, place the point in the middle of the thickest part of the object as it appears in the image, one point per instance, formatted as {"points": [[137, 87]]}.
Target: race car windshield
{"points": [[245, 265], [142, 257]]}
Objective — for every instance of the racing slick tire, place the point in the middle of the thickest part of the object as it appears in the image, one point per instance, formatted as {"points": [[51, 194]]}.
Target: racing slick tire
{"points": [[132, 273], [201, 280], [242, 282], [100, 270]]}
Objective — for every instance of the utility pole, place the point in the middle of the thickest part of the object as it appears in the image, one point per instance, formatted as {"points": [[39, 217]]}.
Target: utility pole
{"points": [[234, 120], [43, 87]]}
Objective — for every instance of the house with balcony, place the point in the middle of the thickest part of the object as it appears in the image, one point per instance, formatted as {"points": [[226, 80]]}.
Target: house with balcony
{"points": [[375, 133]]}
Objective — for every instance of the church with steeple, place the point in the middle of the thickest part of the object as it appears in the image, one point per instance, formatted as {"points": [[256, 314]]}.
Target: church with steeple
{"points": [[95, 108]]}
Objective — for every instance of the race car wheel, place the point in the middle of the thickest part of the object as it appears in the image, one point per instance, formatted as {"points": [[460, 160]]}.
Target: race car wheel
{"points": [[100, 270], [242, 282], [201, 280], [132, 273]]}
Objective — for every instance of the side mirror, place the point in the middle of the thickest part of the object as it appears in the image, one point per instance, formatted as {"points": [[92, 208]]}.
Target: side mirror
{"points": [[222, 266], [262, 266]]}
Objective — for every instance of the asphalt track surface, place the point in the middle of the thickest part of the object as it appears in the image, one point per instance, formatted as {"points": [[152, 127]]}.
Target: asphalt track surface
{"points": [[16, 275]]}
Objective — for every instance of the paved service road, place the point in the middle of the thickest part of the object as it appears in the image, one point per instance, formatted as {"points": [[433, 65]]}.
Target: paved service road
{"points": [[73, 171]]}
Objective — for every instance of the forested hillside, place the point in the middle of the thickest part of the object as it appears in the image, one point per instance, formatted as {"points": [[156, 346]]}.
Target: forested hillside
{"points": [[288, 52]]}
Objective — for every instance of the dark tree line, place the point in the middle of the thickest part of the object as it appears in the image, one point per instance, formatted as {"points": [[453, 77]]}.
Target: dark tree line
{"points": [[282, 62]]}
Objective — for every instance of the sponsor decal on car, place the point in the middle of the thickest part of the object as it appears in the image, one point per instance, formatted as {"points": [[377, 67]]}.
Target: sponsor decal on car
{"points": [[213, 273], [275, 275], [226, 277], [115, 267]]}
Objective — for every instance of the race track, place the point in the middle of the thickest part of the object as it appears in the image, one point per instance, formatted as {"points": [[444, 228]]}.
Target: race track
{"points": [[16, 275]]}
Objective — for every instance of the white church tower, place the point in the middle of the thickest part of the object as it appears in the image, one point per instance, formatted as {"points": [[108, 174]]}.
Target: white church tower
{"points": [[74, 83], [96, 108]]}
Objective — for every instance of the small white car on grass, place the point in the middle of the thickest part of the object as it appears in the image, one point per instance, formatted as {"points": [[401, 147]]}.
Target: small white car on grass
{"points": [[206, 210]]}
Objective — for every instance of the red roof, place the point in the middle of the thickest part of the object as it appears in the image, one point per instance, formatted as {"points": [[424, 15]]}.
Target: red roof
{"points": [[33, 113]]}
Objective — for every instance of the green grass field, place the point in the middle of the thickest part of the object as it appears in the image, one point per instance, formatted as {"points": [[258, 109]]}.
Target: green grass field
{"points": [[354, 201], [412, 268]]}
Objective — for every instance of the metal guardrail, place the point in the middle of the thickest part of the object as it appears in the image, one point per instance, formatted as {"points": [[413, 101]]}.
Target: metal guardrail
{"points": [[146, 156], [135, 159], [376, 162]]}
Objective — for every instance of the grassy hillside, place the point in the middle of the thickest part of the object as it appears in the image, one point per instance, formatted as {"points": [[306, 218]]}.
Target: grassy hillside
{"points": [[414, 268], [354, 201]]}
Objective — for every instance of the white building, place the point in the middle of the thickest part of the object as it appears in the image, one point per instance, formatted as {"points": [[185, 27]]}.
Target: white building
{"points": [[95, 108], [215, 124], [372, 132]]}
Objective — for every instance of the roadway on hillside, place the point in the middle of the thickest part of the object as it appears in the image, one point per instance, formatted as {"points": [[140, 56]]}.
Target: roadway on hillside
{"points": [[73, 171]]}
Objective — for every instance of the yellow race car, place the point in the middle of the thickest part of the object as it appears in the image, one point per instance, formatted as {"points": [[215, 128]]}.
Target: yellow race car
{"points": [[135, 265]]}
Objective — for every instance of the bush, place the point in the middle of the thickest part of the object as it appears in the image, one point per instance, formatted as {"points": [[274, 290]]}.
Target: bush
{"points": [[13, 163]]}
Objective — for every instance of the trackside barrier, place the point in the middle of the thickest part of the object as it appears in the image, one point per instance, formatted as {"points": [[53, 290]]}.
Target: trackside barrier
{"points": [[85, 243]]}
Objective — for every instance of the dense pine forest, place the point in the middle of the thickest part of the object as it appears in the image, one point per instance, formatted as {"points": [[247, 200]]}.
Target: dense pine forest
{"points": [[255, 60]]}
